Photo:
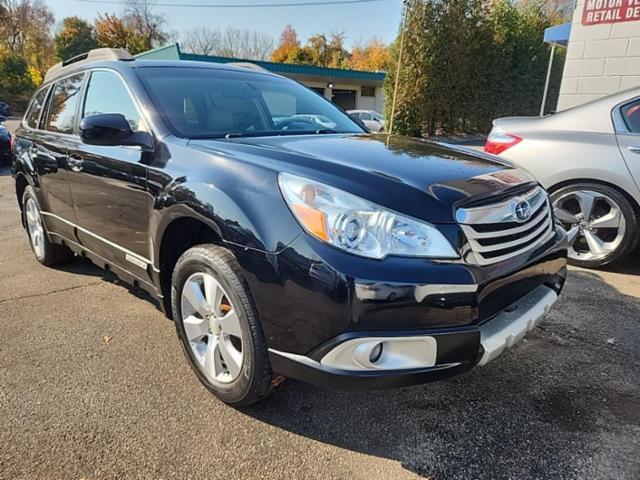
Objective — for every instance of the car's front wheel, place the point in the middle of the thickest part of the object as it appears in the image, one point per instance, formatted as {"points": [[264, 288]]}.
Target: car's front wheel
{"points": [[218, 326], [602, 224]]}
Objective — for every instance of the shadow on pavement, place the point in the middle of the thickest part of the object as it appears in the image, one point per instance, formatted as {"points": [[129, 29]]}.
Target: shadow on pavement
{"points": [[5, 171], [562, 404], [84, 266], [629, 265]]}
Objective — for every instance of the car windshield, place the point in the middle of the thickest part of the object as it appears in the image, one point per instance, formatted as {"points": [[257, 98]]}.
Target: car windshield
{"points": [[216, 103]]}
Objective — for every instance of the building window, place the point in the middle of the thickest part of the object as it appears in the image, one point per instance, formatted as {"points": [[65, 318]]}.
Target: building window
{"points": [[368, 92]]}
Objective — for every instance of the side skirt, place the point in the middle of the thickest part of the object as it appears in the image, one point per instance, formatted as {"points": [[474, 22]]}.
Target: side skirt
{"points": [[122, 273]]}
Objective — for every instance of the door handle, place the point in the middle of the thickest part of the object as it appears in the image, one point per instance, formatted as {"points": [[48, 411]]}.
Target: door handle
{"points": [[75, 163], [635, 149]]}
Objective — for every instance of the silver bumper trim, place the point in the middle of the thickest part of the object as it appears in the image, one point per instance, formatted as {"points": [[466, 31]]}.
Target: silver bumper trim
{"points": [[509, 327]]}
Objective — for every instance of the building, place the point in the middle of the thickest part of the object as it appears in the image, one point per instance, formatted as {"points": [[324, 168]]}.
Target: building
{"points": [[350, 89], [603, 52]]}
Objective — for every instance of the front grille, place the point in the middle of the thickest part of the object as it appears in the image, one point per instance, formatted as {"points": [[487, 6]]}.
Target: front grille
{"points": [[495, 233]]}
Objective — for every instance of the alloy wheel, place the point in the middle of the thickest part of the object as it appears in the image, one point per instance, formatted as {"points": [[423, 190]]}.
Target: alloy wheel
{"points": [[36, 230], [594, 222], [212, 327]]}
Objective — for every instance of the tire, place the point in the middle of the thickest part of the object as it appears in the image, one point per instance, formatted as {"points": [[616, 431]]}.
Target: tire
{"points": [[209, 272], [594, 238], [46, 252]]}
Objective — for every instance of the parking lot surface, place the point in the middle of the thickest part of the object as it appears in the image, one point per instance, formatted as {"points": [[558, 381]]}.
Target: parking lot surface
{"points": [[93, 385]]}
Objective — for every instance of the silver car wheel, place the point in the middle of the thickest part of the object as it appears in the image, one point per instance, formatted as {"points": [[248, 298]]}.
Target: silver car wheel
{"points": [[212, 327], [36, 230], [595, 223]]}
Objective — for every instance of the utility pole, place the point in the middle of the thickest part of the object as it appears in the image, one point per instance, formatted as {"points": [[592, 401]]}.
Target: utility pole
{"points": [[546, 83], [395, 88]]}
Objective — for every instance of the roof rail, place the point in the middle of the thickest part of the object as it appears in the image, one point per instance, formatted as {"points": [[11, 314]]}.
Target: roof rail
{"points": [[90, 56]]}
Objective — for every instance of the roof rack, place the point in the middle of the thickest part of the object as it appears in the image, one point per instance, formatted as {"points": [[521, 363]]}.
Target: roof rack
{"points": [[90, 56], [249, 65]]}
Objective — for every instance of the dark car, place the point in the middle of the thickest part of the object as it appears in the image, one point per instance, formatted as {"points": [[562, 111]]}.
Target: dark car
{"points": [[5, 143], [5, 109], [281, 247]]}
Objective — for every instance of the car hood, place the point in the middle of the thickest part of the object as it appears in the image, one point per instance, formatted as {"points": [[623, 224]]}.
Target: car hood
{"points": [[424, 179]]}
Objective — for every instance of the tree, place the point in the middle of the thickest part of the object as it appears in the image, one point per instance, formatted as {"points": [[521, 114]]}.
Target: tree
{"points": [[232, 42], [288, 48], [16, 85], [466, 62], [25, 27], [247, 44], [75, 37], [202, 40], [372, 56], [146, 25], [114, 32]]}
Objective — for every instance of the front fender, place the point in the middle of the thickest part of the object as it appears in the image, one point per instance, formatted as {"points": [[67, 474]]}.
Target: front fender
{"points": [[247, 215]]}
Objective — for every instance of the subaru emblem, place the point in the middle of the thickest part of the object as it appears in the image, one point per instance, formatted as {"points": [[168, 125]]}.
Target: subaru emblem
{"points": [[523, 211]]}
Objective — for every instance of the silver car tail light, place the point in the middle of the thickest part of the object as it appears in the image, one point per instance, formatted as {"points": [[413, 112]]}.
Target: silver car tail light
{"points": [[506, 229]]}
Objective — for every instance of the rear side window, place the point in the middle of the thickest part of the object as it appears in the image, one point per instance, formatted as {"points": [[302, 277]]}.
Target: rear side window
{"points": [[631, 115], [108, 94], [37, 104], [62, 110]]}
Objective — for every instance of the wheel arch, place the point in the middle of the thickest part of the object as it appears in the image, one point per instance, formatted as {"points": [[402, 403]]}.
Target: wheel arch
{"points": [[181, 232], [21, 185], [565, 183]]}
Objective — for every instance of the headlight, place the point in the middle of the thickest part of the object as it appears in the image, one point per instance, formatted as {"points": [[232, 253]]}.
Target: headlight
{"points": [[357, 225]]}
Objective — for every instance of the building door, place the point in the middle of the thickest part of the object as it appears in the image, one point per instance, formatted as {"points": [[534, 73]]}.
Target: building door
{"points": [[346, 99]]}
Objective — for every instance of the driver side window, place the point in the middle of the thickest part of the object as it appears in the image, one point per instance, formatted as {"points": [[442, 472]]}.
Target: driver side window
{"points": [[107, 94]]}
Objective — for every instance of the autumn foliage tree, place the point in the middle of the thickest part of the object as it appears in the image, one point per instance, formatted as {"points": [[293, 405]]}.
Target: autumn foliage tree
{"points": [[372, 56], [324, 50], [288, 49], [75, 37]]}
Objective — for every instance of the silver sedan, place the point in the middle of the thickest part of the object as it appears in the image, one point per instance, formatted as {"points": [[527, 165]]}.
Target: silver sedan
{"points": [[588, 157]]}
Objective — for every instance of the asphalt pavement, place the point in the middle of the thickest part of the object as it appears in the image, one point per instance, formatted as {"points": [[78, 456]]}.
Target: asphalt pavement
{"points": [[93, 385]]}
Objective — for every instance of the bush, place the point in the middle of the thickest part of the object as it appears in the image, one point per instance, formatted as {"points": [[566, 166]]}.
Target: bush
{"points": [[466, 62]]}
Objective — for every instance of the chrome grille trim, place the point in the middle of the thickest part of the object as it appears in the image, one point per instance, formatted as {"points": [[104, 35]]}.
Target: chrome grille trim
{"points": [[530, 233], [503, 211]]}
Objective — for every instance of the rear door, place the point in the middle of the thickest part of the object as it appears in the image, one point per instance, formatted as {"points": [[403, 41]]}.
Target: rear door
{"points": [[628, 135], [109, 184], [57, 133]]}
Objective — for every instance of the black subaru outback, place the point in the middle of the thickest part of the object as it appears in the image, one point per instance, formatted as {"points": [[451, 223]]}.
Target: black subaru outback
{"points": [[278, 245]]}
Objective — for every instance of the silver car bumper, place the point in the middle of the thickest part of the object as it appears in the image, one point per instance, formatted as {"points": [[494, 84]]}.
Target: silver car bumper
{"points": [[509, 327]]}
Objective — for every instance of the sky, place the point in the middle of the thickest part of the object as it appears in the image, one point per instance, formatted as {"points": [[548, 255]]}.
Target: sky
{"points": [[360, 22]]}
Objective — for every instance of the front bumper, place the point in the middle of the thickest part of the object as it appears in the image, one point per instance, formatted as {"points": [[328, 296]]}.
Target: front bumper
{"points": [[456, 350], [312, 298]]}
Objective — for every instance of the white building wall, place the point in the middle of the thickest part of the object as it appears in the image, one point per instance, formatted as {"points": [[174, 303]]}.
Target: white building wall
{"points": [[601, 59]]}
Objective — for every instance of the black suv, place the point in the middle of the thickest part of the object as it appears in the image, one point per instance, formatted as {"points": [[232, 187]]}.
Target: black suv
{"points": [[281, 246]]}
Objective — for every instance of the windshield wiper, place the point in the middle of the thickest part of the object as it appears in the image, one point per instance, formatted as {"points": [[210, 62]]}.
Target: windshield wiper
{"points": [[243, 134], [324, 131], [277, 133]]}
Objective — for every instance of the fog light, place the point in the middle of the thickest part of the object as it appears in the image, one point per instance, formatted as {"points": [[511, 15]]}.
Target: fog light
{"points": [[376, 353]]}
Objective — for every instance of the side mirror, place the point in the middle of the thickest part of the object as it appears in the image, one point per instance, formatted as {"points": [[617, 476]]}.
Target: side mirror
{"points": [[3, 118], [110, 130]]}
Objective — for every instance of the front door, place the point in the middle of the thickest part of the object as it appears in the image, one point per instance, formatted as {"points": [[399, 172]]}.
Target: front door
{"points": [[109, 184], [49, 156]]}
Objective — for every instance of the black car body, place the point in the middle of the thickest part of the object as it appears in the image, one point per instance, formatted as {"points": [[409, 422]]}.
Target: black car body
{"points": [[324, 315]]}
